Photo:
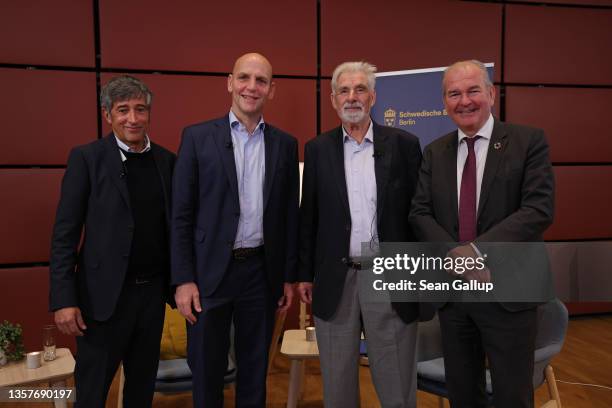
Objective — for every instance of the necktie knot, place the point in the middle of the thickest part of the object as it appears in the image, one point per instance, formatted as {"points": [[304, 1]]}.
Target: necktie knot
{"points": [[470, 141]]}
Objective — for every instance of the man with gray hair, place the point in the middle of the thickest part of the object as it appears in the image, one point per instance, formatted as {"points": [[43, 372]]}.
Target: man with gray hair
{"points": [[109, 288], [358, 184], [487, 181]]}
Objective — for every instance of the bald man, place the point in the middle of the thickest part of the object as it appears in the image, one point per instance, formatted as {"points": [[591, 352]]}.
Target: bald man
{"points": [[234, 236]]}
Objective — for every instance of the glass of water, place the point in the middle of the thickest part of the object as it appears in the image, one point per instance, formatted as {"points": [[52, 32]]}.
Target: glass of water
{"points": [[49, 332]]}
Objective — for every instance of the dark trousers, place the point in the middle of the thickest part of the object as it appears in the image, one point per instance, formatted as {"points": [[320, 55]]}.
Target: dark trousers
{"points": [[244, 298], [472, 330], [131, 335]]}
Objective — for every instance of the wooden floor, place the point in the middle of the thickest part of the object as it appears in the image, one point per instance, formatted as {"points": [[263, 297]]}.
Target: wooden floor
{"points": [[586, 358]]}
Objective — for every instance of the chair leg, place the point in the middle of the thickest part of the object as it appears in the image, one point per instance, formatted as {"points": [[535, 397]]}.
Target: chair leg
{"points": [[279, 324], [121, 384], [304, 319], [552, 385]]}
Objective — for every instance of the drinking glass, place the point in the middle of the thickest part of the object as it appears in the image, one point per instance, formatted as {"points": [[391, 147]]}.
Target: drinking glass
{"points": [[49, 332]]}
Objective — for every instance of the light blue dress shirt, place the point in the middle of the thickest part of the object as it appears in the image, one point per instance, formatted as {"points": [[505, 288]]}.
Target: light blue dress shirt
{"points": [[361, 189], [250, 159]]}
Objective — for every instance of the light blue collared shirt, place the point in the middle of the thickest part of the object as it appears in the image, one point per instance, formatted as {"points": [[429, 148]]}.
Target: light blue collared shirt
{"points": [[361, 189], [250, 159], [125, 148]]}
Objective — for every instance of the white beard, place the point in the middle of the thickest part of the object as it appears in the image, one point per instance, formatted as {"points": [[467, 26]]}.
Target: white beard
{"points": [[352, 117]]}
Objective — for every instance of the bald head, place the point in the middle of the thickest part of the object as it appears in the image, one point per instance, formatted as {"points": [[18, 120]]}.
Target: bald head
{"points": [[251, 86], [252, 58]]}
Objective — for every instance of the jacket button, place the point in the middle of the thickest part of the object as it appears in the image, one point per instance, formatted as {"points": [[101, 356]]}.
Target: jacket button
{"points": [[347, 227], [230, 244], [344, 260]]}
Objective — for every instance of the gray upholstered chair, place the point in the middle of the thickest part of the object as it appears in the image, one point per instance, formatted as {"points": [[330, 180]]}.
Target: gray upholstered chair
{"points": [[175, 376], [552, 326]]}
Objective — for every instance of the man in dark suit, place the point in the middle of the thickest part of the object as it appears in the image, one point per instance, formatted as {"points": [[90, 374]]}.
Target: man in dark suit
{"points": [[234, 236], [110, 291], [486, 182], [358, 183]]}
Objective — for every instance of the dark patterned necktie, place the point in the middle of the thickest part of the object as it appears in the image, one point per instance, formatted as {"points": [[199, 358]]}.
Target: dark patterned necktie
{"points": [[467, 196]]}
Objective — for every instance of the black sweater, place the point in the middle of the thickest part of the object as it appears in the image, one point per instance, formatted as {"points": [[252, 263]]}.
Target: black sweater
{"points": [[149, 255]]}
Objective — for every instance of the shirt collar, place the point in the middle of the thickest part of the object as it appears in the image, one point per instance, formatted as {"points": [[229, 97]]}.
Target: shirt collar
{"points": [[369, 136], [128, 149], [485, 131], [234, 121]]}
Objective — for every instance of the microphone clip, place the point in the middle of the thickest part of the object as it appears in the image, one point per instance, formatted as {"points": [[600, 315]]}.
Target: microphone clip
{"points": [[378, 154]]}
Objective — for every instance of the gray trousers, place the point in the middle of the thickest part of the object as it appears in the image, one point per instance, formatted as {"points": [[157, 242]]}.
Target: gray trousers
{"points": [[391, 349]]}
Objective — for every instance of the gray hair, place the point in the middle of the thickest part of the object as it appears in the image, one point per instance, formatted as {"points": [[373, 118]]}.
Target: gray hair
{"points": [[124, 87], [354, 66], [477, 64]]}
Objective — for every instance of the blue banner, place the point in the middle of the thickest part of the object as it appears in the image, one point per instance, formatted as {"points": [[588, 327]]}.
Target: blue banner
{"points": [[412, 100]]}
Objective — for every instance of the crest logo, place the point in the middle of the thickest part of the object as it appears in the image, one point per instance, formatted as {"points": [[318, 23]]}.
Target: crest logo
{"points": [[390, 115]]}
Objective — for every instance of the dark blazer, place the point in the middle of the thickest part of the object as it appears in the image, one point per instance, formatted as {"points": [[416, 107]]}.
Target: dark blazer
{"points": [[517, 194], [95, 205], [206, 207], [325, 218]]}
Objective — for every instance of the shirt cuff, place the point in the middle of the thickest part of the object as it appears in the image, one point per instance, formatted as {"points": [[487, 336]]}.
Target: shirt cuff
{"points": [[475, 248]]}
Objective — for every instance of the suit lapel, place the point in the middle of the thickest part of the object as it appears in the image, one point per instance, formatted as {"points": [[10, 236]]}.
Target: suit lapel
{"points": [[449, 169], [271, 147], [382, 161], [223, 140], [497, 146], [115, 167], [337, 163]]}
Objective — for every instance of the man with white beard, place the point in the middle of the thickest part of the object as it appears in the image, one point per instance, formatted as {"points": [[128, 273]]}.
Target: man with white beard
{"points": [[358, 184]]}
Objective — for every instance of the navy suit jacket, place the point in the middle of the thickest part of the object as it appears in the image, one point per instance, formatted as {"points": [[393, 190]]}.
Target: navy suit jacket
{"points": [[206, 207], [95, 204]]}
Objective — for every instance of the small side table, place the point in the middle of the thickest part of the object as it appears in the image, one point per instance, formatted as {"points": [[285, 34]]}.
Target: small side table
{"points": [[54, 372], [297, 349]]}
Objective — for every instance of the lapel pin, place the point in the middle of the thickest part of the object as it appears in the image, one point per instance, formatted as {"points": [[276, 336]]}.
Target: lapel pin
{"points": [[497, 146]]}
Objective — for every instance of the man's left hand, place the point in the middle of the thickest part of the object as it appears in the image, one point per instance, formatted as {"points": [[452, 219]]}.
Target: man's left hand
{"points": [[284, 303], [472, 274], [462, 251]]}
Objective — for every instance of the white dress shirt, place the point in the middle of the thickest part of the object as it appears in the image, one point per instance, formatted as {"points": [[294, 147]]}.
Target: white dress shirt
{"points": [[481, 146]]}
